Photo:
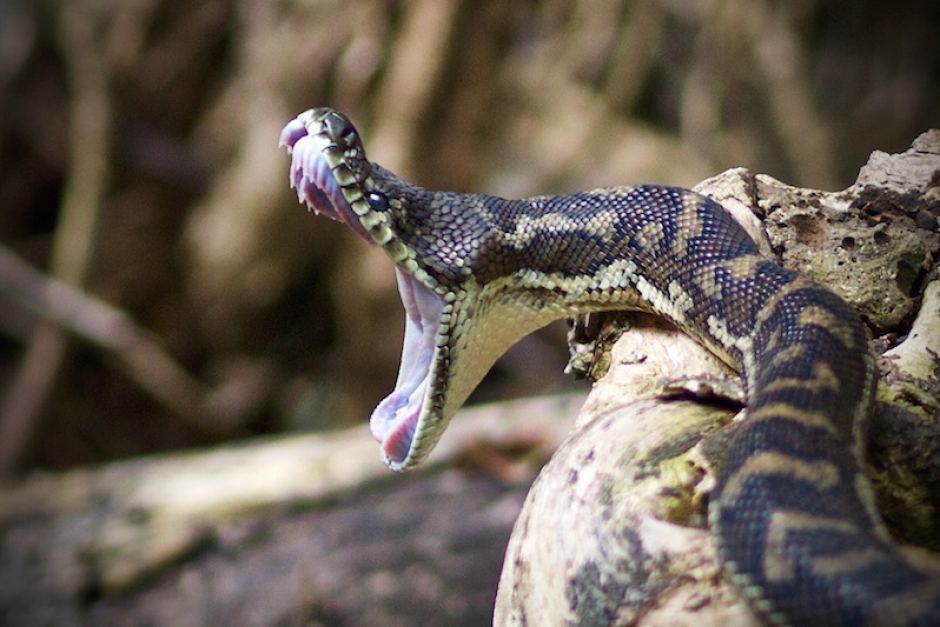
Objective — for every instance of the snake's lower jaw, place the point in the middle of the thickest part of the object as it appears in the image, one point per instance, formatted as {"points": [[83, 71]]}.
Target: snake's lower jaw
{"points": [[406, 411]]}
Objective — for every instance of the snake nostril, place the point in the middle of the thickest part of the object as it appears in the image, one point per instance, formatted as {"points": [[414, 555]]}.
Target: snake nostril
{"points": [[340, 129]]}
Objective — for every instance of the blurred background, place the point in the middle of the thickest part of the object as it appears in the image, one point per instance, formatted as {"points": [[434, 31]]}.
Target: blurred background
{"points": [[161, 290], [139, 165]]}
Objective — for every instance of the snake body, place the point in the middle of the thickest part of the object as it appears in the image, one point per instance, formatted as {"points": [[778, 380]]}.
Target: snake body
{"points": [[793, 515]]}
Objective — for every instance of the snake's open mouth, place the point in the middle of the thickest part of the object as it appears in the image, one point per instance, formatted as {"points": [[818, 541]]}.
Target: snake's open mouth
{"points": [[395, 421]]}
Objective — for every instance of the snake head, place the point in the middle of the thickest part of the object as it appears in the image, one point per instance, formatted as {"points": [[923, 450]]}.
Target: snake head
{"points": [[332, 177], [329, 169]]}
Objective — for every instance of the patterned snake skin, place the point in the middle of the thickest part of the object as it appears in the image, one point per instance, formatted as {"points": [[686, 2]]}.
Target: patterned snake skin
{"points": [[793, 516]]}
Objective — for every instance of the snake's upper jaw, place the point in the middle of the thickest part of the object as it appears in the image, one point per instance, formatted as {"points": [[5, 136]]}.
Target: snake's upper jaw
{"points": [[311, 175], [406, 412]]}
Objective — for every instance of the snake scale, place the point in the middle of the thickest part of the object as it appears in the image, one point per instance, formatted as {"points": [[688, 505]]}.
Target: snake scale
{"points": [[793, 516]]}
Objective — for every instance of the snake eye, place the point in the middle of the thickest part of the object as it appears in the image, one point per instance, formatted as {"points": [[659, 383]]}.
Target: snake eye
{"points": [[340, 129], [377, 201]]}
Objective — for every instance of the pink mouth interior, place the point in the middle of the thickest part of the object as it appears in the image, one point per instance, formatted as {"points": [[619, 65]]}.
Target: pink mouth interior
{"points": [[394, 422], [310, 175]]}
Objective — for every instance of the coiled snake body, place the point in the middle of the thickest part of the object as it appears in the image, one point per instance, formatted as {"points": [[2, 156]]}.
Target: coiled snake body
{"points": [[793, 516]]}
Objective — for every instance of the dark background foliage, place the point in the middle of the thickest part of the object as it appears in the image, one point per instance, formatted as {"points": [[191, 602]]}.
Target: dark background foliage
{"points": [[138, 163]]}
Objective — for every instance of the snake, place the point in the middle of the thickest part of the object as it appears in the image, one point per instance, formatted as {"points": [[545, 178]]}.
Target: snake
{"points": [[793, 516]]}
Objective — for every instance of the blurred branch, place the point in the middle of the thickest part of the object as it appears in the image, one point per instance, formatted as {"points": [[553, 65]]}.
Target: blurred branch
{"points": [[89, 123], [416, 62], [781, 61], [89, 126], [141, 357], [128, 525], [630, 65]]}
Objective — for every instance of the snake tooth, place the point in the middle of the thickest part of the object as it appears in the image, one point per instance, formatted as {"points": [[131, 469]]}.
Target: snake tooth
{"points": [[793, 517]]}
